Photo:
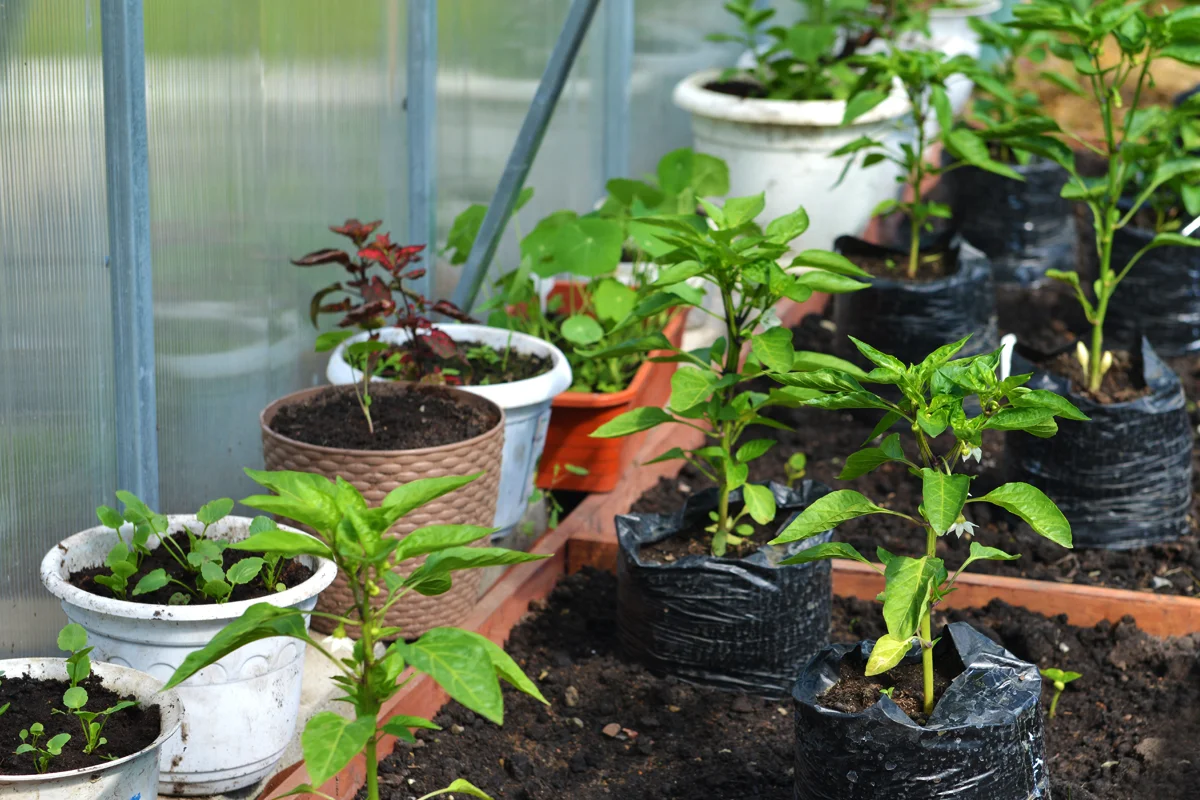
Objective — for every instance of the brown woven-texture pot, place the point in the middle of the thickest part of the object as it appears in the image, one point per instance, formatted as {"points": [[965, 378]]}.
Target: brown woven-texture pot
{"points": [[377, 472]]}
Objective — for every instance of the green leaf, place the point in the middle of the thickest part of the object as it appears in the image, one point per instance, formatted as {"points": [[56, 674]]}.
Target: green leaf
{"points": [[908, 594], [214, 511], [1034, 507], [655, 341], [753, 449], [829, 282], [688, 388], [736, 475], [109, 517], [329, 742], [75, 698], [760, 503], [808, 360], [639, 419], [403, 499], [981, 552], [871, 458], [1188, 53], [289, 543], [586, 246], [299, 496], [828, 512], [849, 400], [259, 621], [331, 339], [824, 551], [580, 329], [863, 102], [462, 786], [399, 726], [887, 653], [884, 425], [1060, 405], [943, 497], [831, 262], [1018, 419], [677, 273], [773, 348], [1061, 676], [877, 357], [441, 563], [244, 571], [740, 210], [782, 230], [72, 637], [1174, 240], [151, 582], [432, 538]]}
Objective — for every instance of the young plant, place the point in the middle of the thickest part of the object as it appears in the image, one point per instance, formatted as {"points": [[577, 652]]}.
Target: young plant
{"points": [[1060, 679], [813, 58], [999, 102], [923, 74], [467, 665], [1170, 135], [796, 468], [31, 743], [932, 403], [1086, 35], [709, 393], [73, 639]]}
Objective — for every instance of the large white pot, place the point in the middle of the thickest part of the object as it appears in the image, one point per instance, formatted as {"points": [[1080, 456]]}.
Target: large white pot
{"points": [[783, 147], [134, 777], [240, 713], [526, 406], [950, 32]]}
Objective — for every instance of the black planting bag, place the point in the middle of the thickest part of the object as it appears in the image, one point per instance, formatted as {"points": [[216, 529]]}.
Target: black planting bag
{"points": [[746, 625], [1160, 297], [984, 741]]}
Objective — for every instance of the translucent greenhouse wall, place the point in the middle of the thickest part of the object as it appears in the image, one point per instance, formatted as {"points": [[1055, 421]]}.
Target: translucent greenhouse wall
{"points": [[268, 120]]}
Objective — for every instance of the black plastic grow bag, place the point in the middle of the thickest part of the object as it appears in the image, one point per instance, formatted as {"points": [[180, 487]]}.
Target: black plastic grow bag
{"points": [[746, 625], [1124, 479], [1024, 227], [1160, 297], [911, 319], [984, 740]]}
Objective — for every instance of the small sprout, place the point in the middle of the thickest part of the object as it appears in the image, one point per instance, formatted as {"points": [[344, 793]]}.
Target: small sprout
{"points": [[888, 692], [1060, 679], [795, 468], [42, 756]]}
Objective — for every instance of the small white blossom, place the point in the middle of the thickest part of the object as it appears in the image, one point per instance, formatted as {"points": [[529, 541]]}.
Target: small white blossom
{"points": [[971, 451], [962, 525]]}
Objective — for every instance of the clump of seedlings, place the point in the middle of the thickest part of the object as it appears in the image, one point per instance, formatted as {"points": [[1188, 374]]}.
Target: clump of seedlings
{"points": [[353, 535], [934, 401], [1059, 679]]}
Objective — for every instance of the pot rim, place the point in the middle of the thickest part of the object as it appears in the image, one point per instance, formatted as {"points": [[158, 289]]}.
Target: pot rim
{"points": [[54, 578], [169, 716], [691, 95], [268, 413]]}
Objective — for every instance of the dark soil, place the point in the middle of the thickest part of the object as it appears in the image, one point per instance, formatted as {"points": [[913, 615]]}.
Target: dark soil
{"points": [[827, 437], [932, 266], [855, 692], [478, 369], [696, 541], [127, 731], [293, 574], [1125, 731], [1122, 383], [737, 88], [405, 417]]}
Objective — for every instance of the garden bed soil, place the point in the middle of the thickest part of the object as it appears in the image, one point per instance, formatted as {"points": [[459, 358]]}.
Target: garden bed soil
{"points": [[128, 731], [1126, 730], [482, 370], [292, 574], [405, 420]]}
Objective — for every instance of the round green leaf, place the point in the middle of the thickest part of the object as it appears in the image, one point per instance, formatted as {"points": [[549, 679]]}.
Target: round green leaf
{"points": [[581, 329]]}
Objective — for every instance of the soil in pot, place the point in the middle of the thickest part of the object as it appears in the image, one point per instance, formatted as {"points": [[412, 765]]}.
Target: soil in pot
{"points": [[1127, 729], [293, 573], [855, 691], [128, 731], [933, 266], [478, 365], [405, 419], [695, 541]]}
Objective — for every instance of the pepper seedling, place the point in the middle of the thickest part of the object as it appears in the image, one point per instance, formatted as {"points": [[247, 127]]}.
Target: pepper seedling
{"points": [[42, 756], [1060, 679], [932, 403], [354, 536], [796, 468], [708, 392], [73, 639]]}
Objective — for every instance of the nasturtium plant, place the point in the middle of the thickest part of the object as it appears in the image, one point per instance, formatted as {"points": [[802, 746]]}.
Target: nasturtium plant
{"points": [[923, 75], [936, 401], [353, 535], [1059, 679], [708, 392], [1113, 46]]}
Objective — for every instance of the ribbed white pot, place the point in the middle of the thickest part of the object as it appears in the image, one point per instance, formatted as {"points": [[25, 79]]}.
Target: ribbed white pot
{"points": [[783, 147], [526, 405], [134, 777], [240, 713]]}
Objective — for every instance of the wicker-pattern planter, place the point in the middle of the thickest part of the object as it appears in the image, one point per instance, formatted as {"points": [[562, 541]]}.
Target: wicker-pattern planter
{"points": [[377, 472]]}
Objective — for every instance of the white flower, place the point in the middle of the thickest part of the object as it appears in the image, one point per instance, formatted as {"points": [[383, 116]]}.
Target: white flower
{"points": [[962, 525], [971, 451]]}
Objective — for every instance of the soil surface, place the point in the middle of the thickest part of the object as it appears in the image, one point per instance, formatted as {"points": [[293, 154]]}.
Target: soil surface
{"points": [[127, 731], [696, 541], [405, 418], [855, 692], [932, 266], [1125, 730], [1121, 384], [292, 574], [737, 88], [481, 366], [827, 437]]}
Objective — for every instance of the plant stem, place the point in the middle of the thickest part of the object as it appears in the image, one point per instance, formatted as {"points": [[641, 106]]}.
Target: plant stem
{"points": [[1054, 704], [927, 630], [916, 220], [372, 770]]}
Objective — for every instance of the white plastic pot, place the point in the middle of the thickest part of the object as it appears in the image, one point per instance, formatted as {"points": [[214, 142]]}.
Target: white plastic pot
{"points": [[240, 713], [134, 777], [950, 32], [526, 405], [783, 147]]}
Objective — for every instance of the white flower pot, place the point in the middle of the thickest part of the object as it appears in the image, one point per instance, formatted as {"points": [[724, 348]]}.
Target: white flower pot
{"points": [[240, 713], [950, 32], [134, 777], [783, 147], [526, 406]]}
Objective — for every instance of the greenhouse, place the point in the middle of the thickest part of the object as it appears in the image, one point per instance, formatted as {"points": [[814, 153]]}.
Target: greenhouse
{"points": [[655, 399]]}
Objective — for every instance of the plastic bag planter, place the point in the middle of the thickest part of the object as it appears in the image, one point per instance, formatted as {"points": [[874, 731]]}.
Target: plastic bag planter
{"points": [[1124, 479], [984, 741], [917, 317], [1160, 297], [1024, 227], [745, 625]]}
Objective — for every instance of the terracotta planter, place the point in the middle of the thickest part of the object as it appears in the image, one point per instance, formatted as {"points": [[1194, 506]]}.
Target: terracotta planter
{"points": [[377, 472], [576, 414]]}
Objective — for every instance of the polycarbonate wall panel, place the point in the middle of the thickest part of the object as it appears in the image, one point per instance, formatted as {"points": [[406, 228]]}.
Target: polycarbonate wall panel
{"points": [[269, 121], [57, 458]]}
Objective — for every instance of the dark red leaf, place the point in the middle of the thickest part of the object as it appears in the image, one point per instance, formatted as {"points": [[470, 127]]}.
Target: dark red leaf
{"points": [[446, 308], [357, 231], [328, 256], [369, 315], [376, 290], [414, 274], [441, 344], [374, 254], [314, 305]]}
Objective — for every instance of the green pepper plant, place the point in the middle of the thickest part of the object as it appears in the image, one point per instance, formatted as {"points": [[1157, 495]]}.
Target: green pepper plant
{"points": [[923, 74], [1085, 33], [1170, 135], [354, 536], [1059, 678], [932, 403], [709, 391]]}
